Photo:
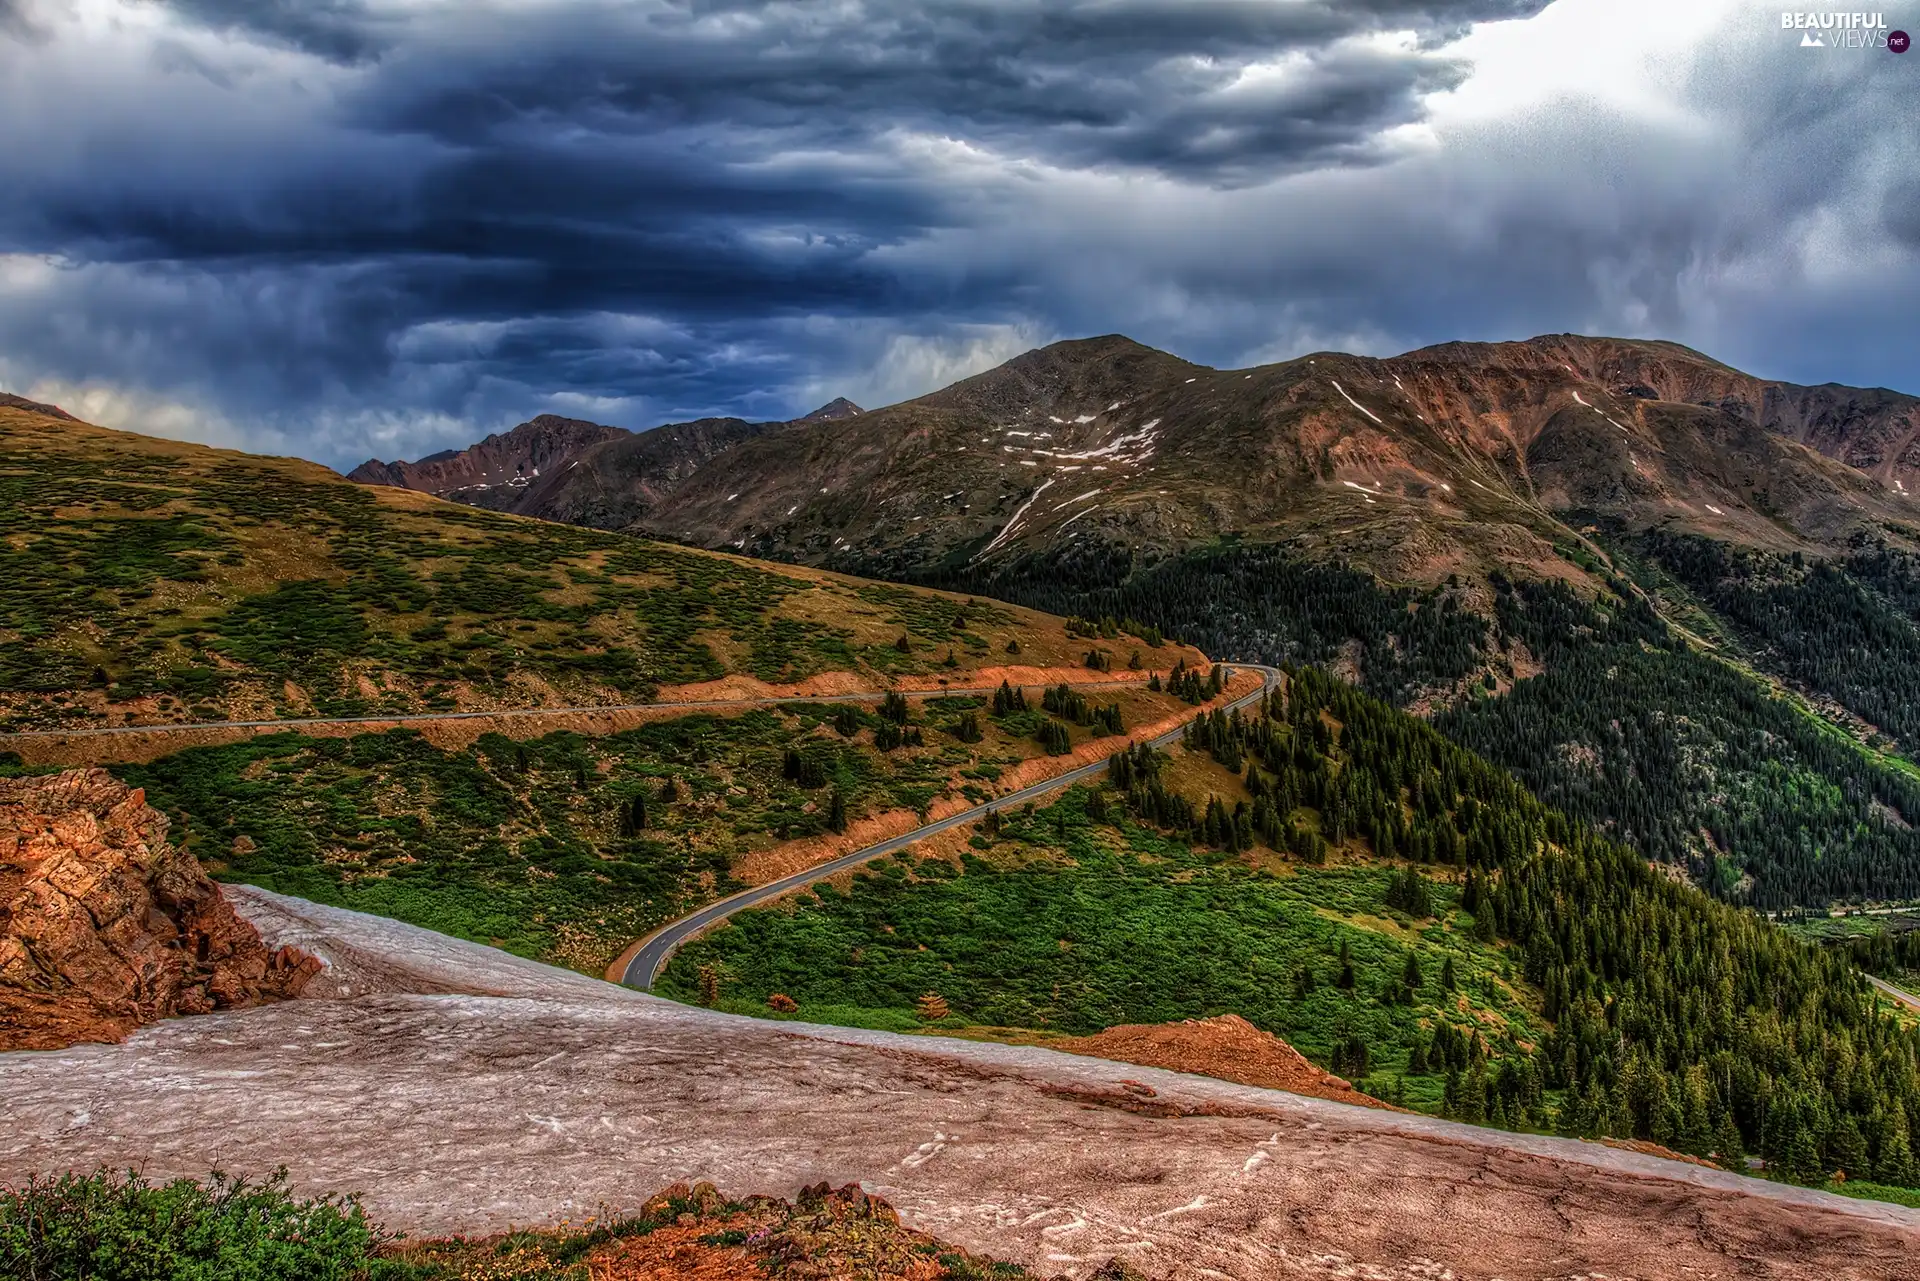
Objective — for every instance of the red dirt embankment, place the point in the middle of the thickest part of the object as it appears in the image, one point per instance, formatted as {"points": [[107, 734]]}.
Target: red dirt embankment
{"points": [[697, 1234], [762, 866], [726, 696], [105, 926], [828, 684], [1227, 1048]]}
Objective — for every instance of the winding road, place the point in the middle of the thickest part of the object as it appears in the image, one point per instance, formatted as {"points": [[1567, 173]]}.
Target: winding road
{"points": [[1901, 995], [655, 950], [658, 947]]}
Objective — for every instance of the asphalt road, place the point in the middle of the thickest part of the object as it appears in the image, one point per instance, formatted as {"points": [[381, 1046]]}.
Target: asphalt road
{"points": [[412, 718], [658, 947], [1901, 995]]}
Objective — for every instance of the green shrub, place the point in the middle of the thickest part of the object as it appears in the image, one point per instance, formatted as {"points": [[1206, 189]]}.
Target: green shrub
{"points": [[105, 1227]]}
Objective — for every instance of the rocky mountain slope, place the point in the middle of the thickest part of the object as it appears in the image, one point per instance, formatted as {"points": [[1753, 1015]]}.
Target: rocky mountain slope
{"points": [[572, 1094], [1463, 457], [106, 926], [620, 481], [494, 472], [579, 472], [1408, 522]]}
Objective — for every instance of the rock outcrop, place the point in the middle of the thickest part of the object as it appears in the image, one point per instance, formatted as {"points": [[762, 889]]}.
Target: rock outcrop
{"points": [[105, 925], [478, 1114]]}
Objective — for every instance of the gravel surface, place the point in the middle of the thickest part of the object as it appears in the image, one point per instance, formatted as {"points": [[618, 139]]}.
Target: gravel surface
{"points": [[515, 1093]]}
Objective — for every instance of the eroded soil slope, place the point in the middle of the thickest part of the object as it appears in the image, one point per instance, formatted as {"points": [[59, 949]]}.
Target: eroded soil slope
{"points": [[1227, 1047]]}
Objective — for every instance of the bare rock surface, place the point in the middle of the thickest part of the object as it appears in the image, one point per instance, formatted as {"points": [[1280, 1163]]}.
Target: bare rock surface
{"points": [[520, 1094], [105, 925]]}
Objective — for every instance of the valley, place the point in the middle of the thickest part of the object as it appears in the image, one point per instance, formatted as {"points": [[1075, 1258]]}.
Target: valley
{"points": [[1602, 563], [1484, 843]]}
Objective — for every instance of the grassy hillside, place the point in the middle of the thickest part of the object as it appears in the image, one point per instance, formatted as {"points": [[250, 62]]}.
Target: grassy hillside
{"points": [[150, 581], [566, 847], [1061, 924]]}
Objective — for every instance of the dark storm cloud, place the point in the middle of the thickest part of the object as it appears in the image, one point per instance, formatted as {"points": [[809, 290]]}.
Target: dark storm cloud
{"points": [[715, 167], [352, 226], [1152, 83]]}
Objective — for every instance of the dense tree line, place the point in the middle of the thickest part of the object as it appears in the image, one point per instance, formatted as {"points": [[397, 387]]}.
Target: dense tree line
{"points": [[1887, 953], [1675, 1018], [1843, 628], [1690, 760]]}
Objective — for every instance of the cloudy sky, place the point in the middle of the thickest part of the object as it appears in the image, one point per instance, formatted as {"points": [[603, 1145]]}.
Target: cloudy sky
{"points": [[343, 228]]}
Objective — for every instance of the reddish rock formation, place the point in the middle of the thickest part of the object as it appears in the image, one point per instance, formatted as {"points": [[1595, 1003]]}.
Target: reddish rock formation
{"points": [[1227, 1047], [509, 460], [105, 926]]}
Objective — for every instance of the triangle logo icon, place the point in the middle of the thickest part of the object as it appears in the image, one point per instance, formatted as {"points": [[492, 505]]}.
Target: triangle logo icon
{"points": [[1809, 40]]}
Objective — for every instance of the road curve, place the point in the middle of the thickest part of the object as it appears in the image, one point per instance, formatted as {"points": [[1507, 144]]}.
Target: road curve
{"points": [[1901, 995], [655, 950], [410, 718]]}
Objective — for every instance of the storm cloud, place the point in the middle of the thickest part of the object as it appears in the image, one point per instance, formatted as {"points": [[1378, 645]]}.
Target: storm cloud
{"points": [[351, 226]]}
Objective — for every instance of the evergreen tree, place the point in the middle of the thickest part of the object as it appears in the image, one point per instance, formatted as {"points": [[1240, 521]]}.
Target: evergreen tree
{"points": [[1895, 1164]]}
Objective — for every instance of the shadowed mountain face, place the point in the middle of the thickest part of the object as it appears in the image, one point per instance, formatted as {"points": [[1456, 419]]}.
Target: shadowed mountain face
{"points": [[838, 407], [1462, 458], [618, 483], [496, 472]]}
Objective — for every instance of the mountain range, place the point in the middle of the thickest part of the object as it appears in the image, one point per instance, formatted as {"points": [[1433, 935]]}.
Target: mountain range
{"points": [[1668, 595], [523, 470], [1459, 458]]}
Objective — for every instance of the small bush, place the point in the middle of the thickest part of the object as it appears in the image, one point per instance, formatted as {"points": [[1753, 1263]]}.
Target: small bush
{"points": [[105, 1227]]}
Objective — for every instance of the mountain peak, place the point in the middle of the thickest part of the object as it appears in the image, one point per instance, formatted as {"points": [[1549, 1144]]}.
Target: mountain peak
{"points": [[1072, 372], [505, 459], [838, 407], [10, 401]]}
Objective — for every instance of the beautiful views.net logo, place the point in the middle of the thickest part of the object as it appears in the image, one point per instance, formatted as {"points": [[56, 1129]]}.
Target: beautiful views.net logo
{"points": [[1844, 31]]}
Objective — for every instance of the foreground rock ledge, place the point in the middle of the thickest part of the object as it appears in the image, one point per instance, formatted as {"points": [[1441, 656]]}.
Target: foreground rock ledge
{"points": [[526, 1095], [105, 925]]}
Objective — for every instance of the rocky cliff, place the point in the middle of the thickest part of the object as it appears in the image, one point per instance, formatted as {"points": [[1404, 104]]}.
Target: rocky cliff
{"points": [[496, 471], [105, 925]]}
